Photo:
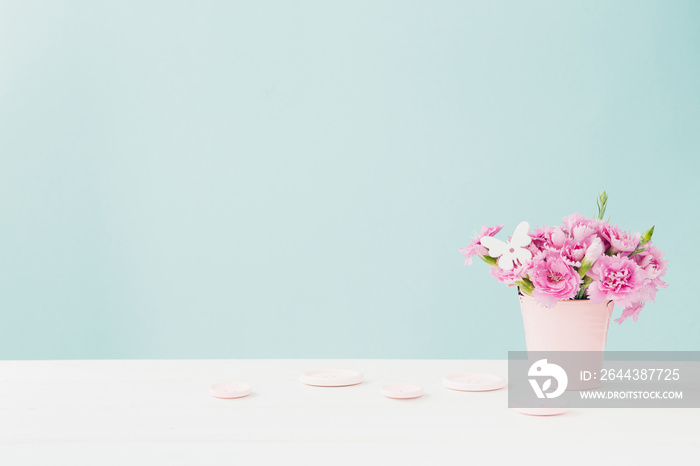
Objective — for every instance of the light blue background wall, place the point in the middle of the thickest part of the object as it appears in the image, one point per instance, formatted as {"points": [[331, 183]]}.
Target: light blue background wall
{"points": [[294, 179]]}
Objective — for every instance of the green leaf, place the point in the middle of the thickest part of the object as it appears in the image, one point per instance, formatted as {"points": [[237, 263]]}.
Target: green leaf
{"points": [[525, 285], [582, 291], [490, 260]]}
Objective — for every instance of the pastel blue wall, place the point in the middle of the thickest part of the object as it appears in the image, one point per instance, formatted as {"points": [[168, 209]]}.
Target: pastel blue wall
{"points": [[294, 179]]}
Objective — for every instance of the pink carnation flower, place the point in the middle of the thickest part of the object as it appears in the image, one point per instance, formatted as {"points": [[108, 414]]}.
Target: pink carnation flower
{"points": [[548, 238], [540, 237], [552, 278], [617, 278], [630, 311], [534, 250], [557, 237], [624, 243], [580, 228], [574, 251], [654, 266], [475, 248], [575, 220], [603, 229], [652, 262], [617, 240], [594, 251], [507, 276]]}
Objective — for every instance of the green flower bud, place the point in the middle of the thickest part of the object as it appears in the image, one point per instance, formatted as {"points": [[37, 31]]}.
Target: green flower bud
{"points": [[490, 260], [602, 204], [646, 236]]}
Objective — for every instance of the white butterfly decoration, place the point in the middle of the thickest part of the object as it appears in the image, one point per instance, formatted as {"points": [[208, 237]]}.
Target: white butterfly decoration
{"points": [[510, 251]]}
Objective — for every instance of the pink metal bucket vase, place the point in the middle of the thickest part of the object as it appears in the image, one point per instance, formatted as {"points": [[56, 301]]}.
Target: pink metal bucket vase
{"points": [[574, 325]]}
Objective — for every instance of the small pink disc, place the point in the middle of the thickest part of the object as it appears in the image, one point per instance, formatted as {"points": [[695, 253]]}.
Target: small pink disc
{"points": [[331, 378], [401, 391], [553, 411], [474, 382], [229, 390]]}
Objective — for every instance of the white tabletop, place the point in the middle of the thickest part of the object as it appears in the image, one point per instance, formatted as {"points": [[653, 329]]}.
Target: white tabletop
{"points": [[140, 411]]}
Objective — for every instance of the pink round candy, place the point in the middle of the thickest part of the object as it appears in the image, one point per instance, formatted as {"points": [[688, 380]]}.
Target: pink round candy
{"points": [[474, 382], [229, 390], [401, 391], [553, 411], [331, 378]]}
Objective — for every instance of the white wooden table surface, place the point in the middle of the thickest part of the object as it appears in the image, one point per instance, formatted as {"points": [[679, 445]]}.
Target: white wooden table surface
{"points": [[160, 412]]}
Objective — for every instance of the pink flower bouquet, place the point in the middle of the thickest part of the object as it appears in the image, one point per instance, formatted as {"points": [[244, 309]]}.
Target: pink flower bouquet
{"points": [[584, 258]]}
